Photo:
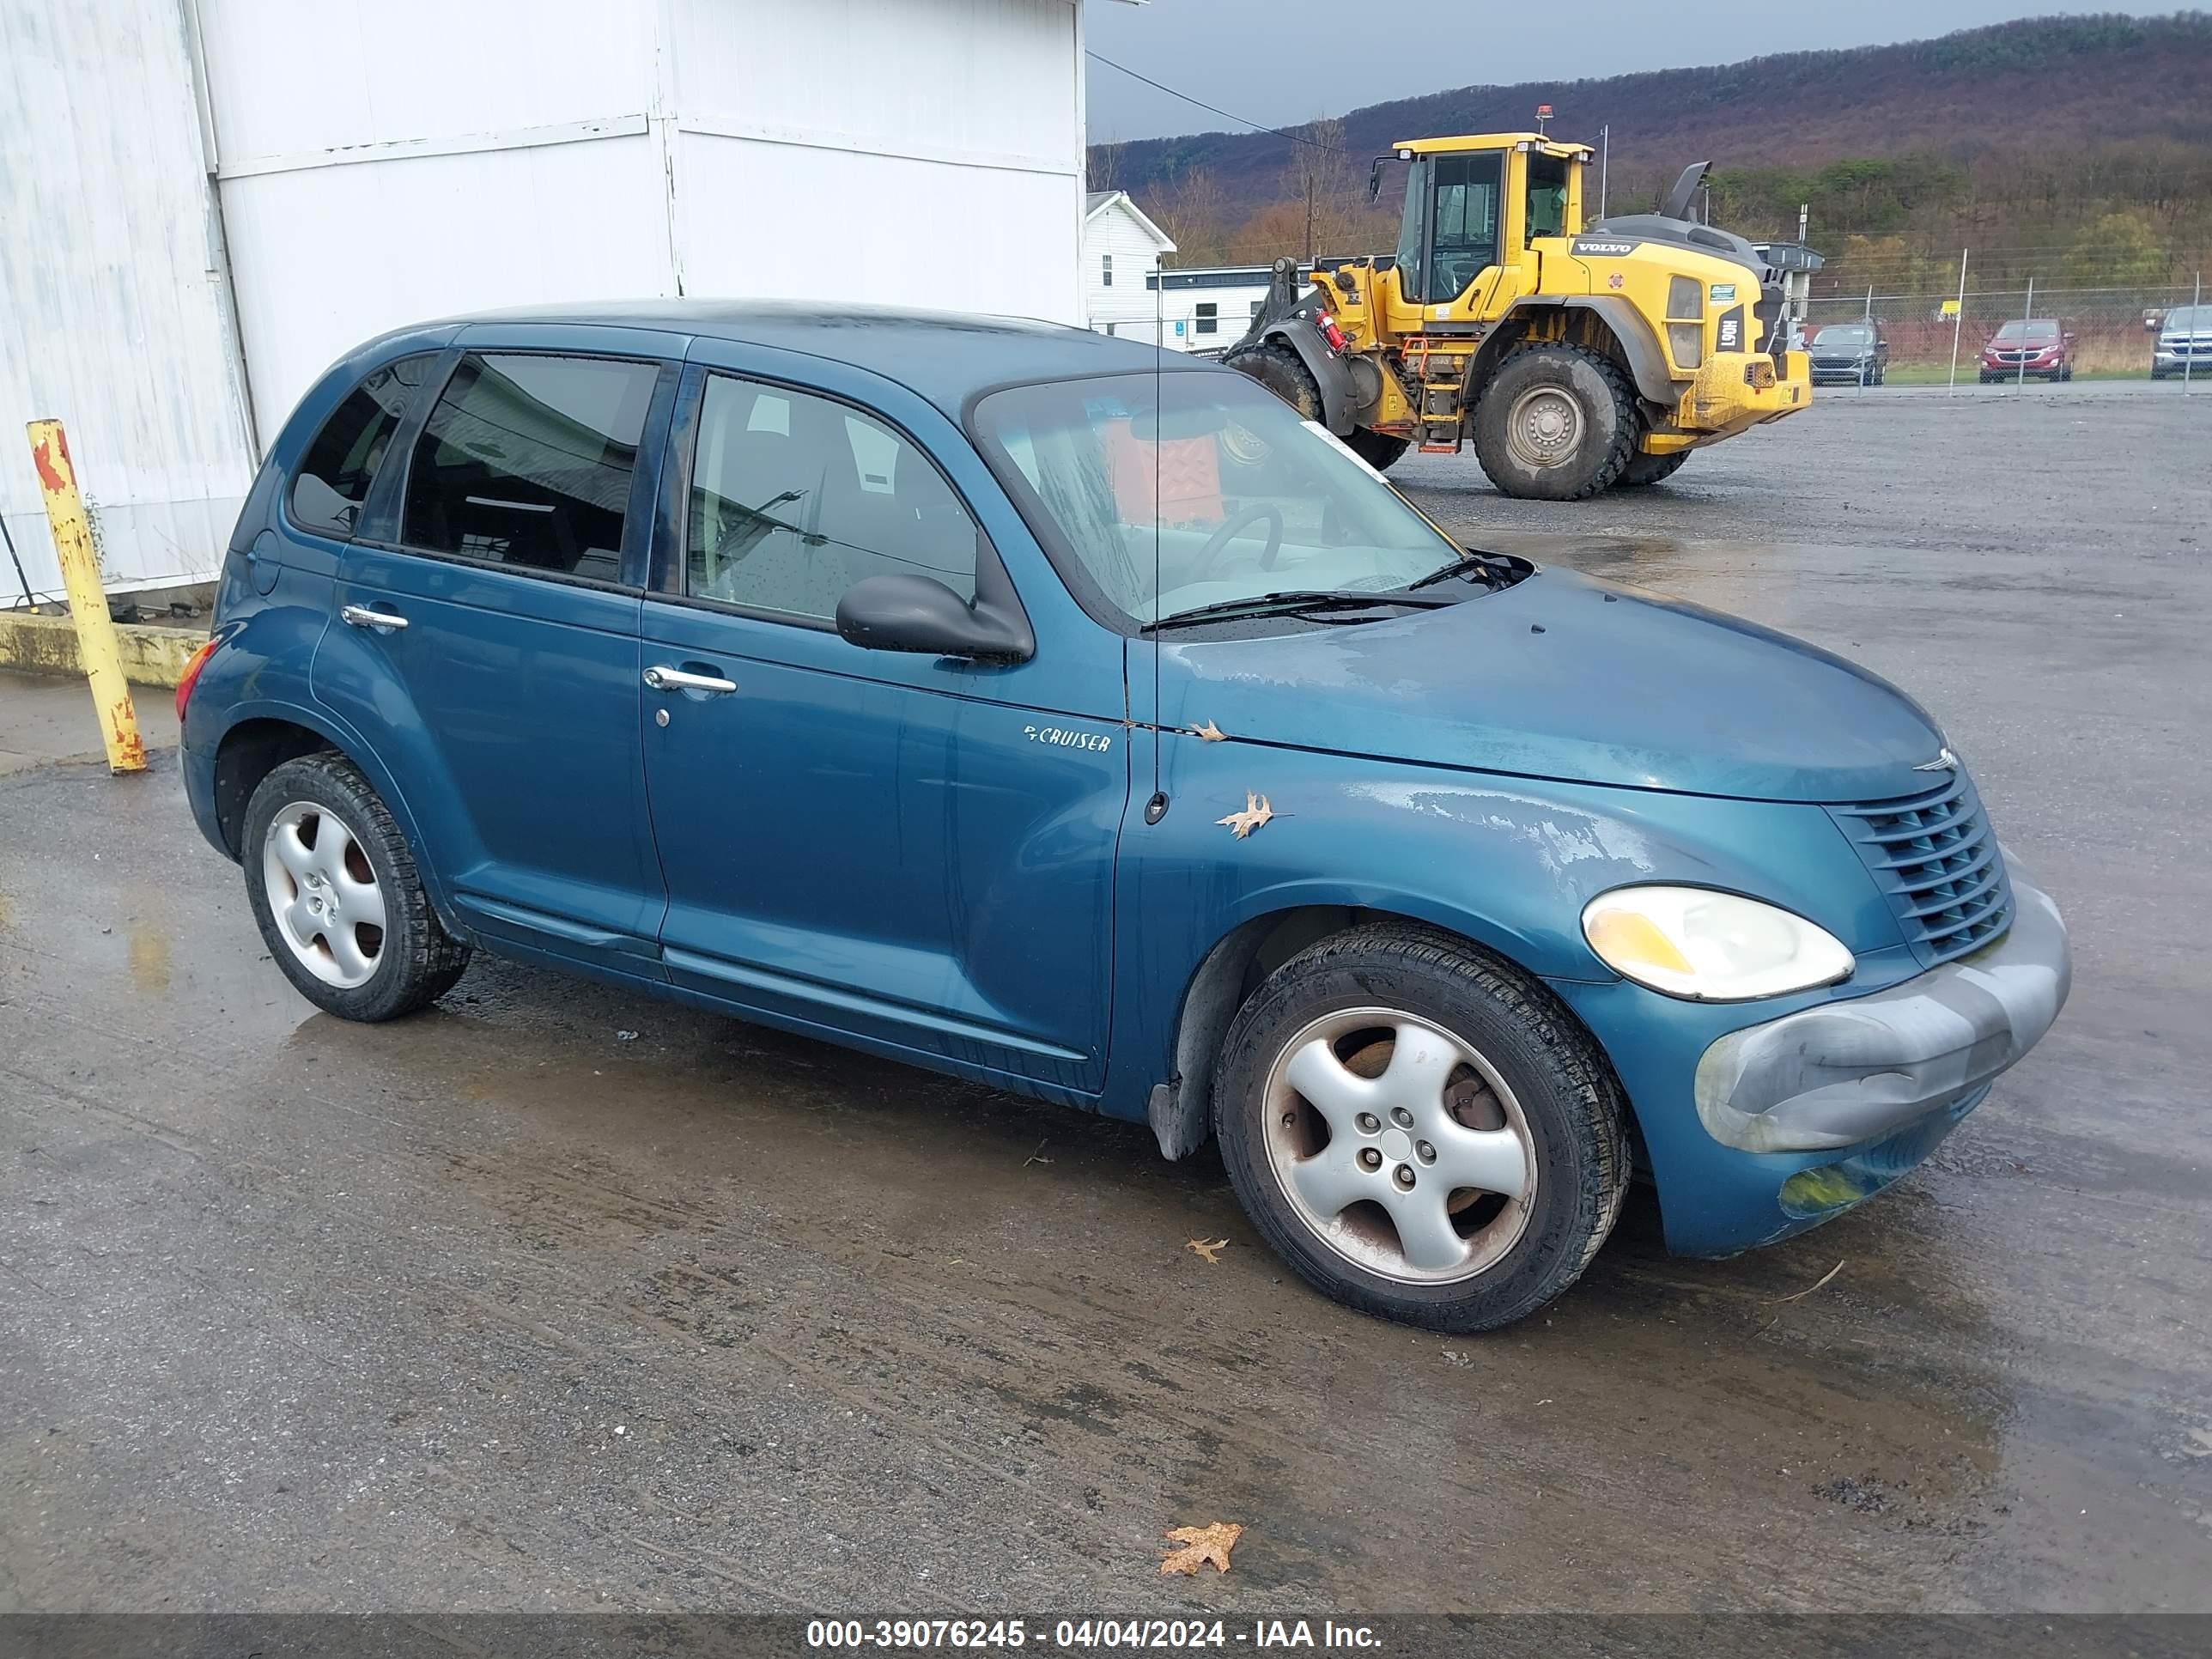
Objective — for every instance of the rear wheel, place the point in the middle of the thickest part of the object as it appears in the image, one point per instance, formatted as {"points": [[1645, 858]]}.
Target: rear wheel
{"points": [[334, 891], [1556, 424], [1283, 372], [1419, 1131], [1644, 468], [1378, 449]]}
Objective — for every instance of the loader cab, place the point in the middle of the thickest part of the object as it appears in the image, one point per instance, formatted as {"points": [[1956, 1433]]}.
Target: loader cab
{"points": [[1473, 207]]}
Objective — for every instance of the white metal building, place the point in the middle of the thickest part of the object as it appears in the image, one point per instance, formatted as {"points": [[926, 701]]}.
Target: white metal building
{"points": [[205, 202], [1122, 250], [1205, 308]]}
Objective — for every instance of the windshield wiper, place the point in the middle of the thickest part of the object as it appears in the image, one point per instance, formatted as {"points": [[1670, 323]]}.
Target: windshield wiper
{"points": [[1474, 564], [1292, 603]]}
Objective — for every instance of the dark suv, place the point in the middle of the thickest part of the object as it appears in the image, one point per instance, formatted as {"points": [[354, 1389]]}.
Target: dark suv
{"points": [[2034, 345], [1849, 354]]}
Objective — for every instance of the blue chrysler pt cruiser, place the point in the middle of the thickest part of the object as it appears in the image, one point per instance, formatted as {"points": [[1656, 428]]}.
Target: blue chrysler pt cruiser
{"points": [[1069, 716]]}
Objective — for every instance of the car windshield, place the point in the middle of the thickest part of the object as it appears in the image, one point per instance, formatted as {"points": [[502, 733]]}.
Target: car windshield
{"points": [[2188, 319], [1176, 490], [1844, 334], [2028, 331]]}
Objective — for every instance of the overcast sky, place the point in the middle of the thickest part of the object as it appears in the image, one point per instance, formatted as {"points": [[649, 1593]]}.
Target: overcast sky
{"points": [[1281, 62]]}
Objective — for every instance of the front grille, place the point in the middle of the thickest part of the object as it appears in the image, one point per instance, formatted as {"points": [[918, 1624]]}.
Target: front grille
{"points": [[1934, 857], [1835, 363]]}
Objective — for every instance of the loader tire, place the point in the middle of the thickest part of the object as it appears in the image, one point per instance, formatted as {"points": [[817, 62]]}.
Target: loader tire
{"points": [[1556, 424], [1283, 372], [1645, 469], [1378, 449]]}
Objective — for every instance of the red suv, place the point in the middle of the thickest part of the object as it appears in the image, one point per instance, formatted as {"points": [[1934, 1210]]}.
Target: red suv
{"points": [[2030, 345]]}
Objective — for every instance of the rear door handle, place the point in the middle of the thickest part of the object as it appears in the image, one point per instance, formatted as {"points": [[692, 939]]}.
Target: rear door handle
{"points": [[661, 678], [360, 616]]}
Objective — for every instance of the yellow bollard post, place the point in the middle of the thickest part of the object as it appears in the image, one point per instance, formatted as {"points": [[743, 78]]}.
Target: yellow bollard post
{"points": [[96, 629]]}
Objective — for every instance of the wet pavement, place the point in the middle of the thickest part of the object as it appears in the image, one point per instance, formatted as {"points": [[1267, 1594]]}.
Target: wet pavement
{"points": [[558, 1297]]}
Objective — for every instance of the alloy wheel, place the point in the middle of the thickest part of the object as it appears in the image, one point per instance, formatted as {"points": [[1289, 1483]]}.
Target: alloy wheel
{"points": [[1399, 1146], [323, 892]]}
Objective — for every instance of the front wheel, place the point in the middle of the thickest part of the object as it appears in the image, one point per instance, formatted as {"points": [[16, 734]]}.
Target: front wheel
{"points": [[1644, 469], [1556, 424], [1419, 1130], [336, 893], [1283, 372], [1378, 449]]}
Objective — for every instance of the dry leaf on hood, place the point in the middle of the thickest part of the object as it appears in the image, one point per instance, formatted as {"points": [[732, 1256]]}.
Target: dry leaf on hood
{"points": [[1256, 812], [1210, 733], [1201, 1545]]}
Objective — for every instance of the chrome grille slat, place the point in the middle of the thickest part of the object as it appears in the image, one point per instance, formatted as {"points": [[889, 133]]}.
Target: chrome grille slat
{"points": [[1935, 860]]}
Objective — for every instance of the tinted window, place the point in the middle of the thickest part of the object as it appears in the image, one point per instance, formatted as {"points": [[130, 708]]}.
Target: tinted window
{"points": [[794, 499], [333, 481], [526, 461]]}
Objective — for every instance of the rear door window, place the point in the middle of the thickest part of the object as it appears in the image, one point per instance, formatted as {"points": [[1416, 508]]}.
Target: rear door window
{"points": [[526, 461], [333, 480]]}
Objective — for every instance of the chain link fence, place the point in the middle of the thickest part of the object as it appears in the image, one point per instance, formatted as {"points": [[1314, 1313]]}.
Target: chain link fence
{"points": [[2012, 326]]}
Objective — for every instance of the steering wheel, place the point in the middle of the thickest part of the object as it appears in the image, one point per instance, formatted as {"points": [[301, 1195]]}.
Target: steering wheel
{"points": [[1218, 542]]}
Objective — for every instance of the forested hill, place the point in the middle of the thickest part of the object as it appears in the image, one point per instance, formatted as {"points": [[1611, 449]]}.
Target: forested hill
{"points": [[2044, 93]]}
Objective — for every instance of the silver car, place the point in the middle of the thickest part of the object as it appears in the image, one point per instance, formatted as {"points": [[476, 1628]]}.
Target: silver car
{"points": [[2184, 338]]}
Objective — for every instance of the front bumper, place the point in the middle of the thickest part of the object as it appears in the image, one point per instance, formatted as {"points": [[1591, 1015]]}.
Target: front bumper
{"points": [[1841, 1074]]}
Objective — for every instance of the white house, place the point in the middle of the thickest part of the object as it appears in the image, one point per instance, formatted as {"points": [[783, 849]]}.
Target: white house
{"points": [[1122, 250], [205, 202]]}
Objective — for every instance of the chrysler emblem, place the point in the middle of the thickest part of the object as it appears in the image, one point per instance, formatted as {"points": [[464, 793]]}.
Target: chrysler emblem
{"points": [[1945, 761]]}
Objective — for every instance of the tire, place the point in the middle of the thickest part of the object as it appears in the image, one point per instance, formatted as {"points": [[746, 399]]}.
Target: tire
{"points": [[1576, 423], [1283, 372], [1645, 469], [1469, 1024], [387, 953], [1378, 449]]}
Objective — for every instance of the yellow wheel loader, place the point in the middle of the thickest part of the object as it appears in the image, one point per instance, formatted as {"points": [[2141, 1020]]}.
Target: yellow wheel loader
{"points": [[1575, 357]]}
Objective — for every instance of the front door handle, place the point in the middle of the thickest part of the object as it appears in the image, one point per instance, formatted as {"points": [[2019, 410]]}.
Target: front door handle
{"points": [[661, 678], [360, 616]]}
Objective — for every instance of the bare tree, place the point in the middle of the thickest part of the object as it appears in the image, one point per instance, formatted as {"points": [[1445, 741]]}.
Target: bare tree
{"points": [[1195, 213], [1102, 167]]}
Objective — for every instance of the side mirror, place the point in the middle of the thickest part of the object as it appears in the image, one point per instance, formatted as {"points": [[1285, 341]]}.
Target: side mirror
{"points": [[2070, 338], [1375, 180], [908, 613]]}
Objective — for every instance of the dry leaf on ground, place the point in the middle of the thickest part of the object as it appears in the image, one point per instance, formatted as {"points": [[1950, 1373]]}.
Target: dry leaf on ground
{"points": [[1201, 1545], [1211, 1249], [1256, 812]]}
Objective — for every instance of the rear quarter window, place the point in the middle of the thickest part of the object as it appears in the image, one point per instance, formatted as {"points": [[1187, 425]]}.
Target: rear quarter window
{"points": [[341, 464]]}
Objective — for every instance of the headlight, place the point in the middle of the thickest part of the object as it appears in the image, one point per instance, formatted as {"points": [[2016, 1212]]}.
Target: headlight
{"points": [[1708, 946]]}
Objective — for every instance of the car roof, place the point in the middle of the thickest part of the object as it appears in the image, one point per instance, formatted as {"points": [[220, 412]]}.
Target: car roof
{"points": [[946, 356]]}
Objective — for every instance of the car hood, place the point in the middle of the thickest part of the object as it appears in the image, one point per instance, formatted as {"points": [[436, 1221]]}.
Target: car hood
{"points": [[1562, 676]]}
